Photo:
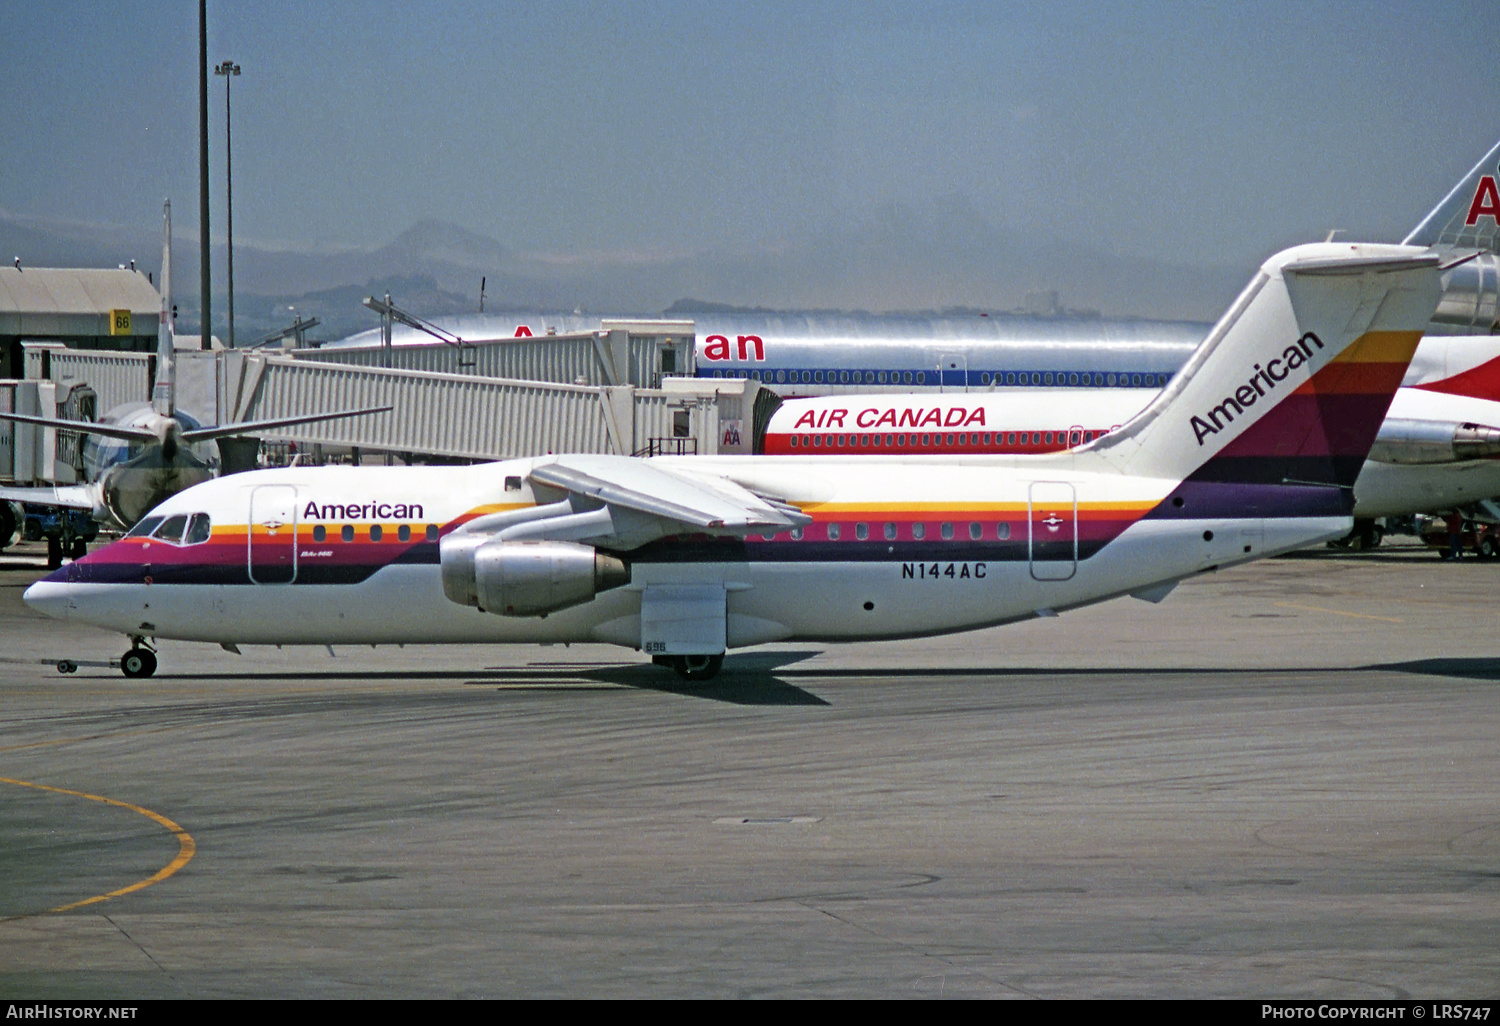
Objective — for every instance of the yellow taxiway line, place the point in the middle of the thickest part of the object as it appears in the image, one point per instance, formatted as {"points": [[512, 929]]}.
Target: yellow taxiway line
{"points": [[187, 848]]}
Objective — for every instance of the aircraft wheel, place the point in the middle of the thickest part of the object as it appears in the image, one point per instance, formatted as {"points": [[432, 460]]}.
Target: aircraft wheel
{"points": [[78, 549], [54, 553], [697, 667], [66, 666], [138, 662]]}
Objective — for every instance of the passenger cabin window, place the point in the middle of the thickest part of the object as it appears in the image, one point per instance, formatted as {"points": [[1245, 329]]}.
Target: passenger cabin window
{"points": [[432, 532], [199, 528], [403, 533], [347, 532], [376, 532], [320, 533], [919, 531]]}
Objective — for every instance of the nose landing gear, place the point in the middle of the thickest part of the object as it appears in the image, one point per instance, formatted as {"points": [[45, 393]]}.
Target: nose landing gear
{"points": [[140, 661]]}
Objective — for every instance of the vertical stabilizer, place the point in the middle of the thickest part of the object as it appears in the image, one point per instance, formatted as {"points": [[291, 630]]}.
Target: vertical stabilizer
{"points": [[1469, 216], [1289, 389], [163, 394]]}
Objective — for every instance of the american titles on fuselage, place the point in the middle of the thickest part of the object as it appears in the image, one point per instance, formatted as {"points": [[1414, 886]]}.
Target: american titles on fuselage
{"points": [[363, 511]]}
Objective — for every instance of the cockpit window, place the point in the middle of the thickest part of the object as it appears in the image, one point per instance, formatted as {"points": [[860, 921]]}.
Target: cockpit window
{"points": [[171, 531], [198, 530], [145, 527]]}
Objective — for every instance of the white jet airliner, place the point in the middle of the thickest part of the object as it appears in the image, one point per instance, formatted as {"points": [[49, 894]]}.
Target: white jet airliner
{"points": [[1251, 451]]}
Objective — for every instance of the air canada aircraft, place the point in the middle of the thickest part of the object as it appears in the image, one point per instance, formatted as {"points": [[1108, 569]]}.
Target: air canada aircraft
{"points": [[142, 453], [686, 557]]}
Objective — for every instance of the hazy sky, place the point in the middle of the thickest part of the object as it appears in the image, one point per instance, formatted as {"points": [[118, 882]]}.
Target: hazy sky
{"points": [[1195, 131]]}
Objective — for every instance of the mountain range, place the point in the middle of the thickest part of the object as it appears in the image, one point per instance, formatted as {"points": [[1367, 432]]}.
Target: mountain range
{"points": [[930, 256]]}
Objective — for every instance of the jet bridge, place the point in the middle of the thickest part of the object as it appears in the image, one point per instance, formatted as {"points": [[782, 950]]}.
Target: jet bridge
{"points": [[637, 353], [468, 416], [445, 405]]}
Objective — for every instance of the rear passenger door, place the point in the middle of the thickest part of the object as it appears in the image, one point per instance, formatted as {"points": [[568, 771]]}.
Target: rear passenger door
{"points": [[1052, 540]]}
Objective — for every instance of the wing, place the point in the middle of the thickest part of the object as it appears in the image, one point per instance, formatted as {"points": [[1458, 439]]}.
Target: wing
{"points": [[622, 503], [67, 496]]}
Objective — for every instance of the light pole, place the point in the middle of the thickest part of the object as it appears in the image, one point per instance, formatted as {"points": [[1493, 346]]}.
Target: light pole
{"points": [[229, 69]]}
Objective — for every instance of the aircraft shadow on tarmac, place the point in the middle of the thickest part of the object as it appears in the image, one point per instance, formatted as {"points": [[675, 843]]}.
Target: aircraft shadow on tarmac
{"points": [[759, 678], [1476, 668], [735, 685]]}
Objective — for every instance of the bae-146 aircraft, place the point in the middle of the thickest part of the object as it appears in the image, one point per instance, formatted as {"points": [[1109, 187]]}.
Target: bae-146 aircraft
{"points": [[686, 557], [142, 453], [1438, 447]]}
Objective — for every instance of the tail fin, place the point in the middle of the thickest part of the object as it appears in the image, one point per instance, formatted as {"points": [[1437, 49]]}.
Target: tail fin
{"points": [[1469, 216], [1290, 387], [163, 393]]}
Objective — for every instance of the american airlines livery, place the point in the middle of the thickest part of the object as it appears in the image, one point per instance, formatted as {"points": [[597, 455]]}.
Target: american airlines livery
{"points": [[1252, 450]]}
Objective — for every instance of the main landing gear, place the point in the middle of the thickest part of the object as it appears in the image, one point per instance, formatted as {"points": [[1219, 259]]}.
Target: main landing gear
{"points": [[696, 668]]}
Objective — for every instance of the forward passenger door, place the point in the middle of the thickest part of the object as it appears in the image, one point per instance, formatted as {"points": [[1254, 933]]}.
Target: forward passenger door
{"points": [[273, 534]]}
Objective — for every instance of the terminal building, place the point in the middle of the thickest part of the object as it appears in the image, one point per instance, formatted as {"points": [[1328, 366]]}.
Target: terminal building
{"points": [[80, 308]]}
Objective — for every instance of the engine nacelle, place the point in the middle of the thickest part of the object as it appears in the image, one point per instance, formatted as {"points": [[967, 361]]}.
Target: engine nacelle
{"points": [[1414, 442], [1471, 296], [525, 578]]}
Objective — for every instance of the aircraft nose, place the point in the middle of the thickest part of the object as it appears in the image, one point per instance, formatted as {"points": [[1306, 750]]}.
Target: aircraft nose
{"points": [[52, 598]]}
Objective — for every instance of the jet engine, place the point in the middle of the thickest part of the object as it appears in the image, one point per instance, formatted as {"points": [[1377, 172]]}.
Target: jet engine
{"points": [[1411, 442], [1471, 297], [525, 578]]}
